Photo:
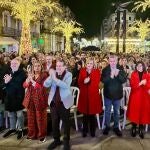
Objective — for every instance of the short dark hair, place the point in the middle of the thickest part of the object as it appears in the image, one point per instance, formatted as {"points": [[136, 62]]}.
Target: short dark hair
{"points": [[61, 60]]}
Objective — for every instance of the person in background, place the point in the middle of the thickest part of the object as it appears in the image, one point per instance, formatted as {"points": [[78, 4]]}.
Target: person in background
{"points": [[138, 111], [60, 100], [13, 84], [36, 103], [113, 76], [89, 99]]}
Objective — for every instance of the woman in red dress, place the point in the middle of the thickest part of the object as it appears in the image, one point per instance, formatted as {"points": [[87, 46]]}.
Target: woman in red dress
{"points": [[89, 99], [139, 101], [36, 102]]}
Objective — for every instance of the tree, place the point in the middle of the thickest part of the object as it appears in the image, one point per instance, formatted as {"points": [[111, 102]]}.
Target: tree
{"points": [[67, 28], [143, 5], [142, 28], [27, 10]]}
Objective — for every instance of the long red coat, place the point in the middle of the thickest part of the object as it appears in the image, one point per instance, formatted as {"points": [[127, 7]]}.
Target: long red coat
{"points": [[89, 98], [139, 101]]}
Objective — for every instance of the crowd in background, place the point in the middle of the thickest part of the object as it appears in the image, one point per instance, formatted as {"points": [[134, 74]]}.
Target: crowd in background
{"points": [[36, 81]]}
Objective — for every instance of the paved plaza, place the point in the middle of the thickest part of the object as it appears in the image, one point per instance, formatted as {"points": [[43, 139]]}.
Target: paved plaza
{"points": [[100, 142]]}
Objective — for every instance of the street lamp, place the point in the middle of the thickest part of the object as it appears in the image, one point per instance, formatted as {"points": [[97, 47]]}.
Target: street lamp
{"points": [[120, 7]]}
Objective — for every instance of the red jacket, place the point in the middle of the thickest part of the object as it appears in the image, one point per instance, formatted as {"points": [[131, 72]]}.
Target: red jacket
{"points": [[37, 94], [89, 98], [139, 100]]}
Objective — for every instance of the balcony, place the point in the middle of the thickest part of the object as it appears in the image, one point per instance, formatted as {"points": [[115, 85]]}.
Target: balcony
{"points": [[11, 32]]}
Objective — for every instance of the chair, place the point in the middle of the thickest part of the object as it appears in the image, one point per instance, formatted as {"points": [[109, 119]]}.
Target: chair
{"points": [[73, 109], [126, 91]]}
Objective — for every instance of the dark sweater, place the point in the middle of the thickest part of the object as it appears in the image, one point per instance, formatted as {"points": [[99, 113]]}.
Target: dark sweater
{"points": [[113, 88]]}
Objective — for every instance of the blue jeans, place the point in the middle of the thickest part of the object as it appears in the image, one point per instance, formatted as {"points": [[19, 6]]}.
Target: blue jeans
{"points": [[116, 111], [16, 119]]}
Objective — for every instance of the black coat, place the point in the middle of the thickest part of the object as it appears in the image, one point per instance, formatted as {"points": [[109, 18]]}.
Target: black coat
{"points": [[113, 88], [15, 91]]}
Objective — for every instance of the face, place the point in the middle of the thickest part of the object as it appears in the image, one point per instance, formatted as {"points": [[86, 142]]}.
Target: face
{"points": [[37, 67], [124, 61], [48, 59], [90, 65], [60, 67], [113, 62], [33, 60], [14, 65], [139, 68]]}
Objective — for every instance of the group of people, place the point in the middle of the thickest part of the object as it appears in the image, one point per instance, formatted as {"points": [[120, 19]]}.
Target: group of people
{"points": [[41, 81]]}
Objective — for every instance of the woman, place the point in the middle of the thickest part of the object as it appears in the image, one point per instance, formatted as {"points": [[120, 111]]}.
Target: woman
{"points": [[35, 102], [139, 101], [89, 99]]}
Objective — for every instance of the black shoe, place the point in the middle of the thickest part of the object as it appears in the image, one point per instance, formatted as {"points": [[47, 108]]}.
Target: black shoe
{"points": [[2, 129], [19, 134], [8, 133], [133, 132], [141, 134], [54, 144], [84, 134], [92, 134], [106, 131], [42, 140], [117, 132], [66, 146]]}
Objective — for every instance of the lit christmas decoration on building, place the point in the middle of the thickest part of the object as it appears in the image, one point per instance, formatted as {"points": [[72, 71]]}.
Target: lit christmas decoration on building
{"points": [[26, 11], [67, 28]]}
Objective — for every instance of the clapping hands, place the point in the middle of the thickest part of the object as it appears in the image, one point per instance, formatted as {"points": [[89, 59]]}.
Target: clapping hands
{"points": [[7, 78], [143, 82]]}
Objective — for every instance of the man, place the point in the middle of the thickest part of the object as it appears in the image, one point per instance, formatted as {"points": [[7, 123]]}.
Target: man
{"points": [[113, 77], [60, 100], [13, 83]]}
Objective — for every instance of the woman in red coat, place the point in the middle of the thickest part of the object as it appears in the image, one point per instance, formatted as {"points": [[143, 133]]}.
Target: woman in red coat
{"points": [[36, 102], [89, 99], [139, 101]]}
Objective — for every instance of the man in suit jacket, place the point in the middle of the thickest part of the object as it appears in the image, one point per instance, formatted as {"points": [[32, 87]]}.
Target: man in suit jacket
{"points": [[60, 100]]}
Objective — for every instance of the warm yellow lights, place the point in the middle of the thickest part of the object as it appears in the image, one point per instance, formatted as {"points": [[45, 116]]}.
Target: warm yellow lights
{"points": [[142, 28], [67, 28], [143, 5], [27, 10]]}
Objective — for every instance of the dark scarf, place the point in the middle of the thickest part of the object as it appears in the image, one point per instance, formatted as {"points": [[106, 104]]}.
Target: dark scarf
{"points": [[140, 75], [57, 98]]}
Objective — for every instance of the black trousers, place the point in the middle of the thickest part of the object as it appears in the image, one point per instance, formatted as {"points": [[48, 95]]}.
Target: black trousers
{"points": [[60, 113], [89, 121]]}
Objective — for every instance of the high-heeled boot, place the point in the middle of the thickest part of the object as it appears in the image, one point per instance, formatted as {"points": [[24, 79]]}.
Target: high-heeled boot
{"points": [[133, 130], [141, 134]]}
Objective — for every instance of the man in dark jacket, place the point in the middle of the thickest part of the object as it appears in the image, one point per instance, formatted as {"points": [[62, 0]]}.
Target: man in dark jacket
{"points": [[113, 77], [13, 84]]}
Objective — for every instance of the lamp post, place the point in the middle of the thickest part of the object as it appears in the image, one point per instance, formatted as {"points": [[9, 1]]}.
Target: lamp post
{"points": [[120, 7]]}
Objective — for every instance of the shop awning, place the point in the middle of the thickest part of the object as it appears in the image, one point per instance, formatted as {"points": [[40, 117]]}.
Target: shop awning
{"points": [[8, 41]]}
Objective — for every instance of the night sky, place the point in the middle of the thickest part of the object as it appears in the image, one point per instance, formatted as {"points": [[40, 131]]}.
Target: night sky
{"points": [[90, 13]]}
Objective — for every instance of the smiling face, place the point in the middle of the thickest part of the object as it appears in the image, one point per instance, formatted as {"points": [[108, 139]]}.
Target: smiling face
{"points": [[60, 67], [37, 67], [14, 65], [90, 65], [113, 62], [139, 67]]}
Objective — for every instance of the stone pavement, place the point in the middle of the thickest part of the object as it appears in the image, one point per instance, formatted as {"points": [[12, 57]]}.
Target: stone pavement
{"points": [[100, 142]]}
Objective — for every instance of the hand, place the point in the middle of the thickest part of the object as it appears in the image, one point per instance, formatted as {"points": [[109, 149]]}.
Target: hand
{"points": [[149, 91], [86, 80], [112, 74], [143, 82], [7, 78], [116, 72]]}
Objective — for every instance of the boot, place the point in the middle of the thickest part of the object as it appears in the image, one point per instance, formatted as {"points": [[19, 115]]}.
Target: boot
{"points": [[141, 134], [133, 130]]}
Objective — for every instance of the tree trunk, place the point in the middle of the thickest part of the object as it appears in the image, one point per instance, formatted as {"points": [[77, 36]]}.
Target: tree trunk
{"points": [[68, 46], [25, 42]]}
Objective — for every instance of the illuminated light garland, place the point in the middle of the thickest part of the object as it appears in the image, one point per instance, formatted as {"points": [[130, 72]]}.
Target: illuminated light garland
{"points": [[141, 5], [142, 28], [27, 10], [67, 28]]}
